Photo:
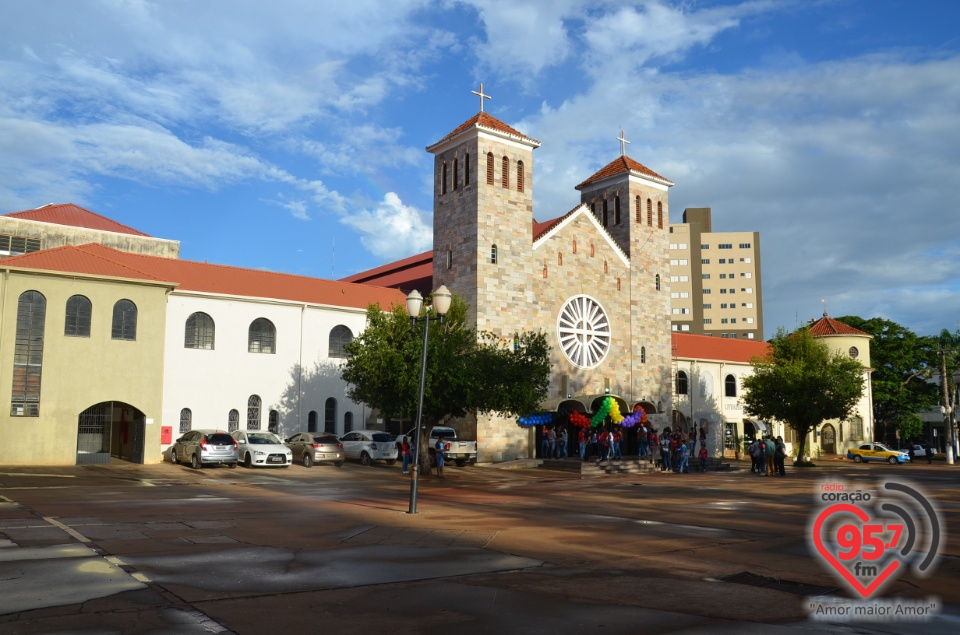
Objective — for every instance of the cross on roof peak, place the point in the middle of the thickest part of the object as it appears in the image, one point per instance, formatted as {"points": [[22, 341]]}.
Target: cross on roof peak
{"points": [[623, 143], [481, 95]]}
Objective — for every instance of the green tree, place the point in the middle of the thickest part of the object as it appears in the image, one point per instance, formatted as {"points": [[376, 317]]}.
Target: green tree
{"points": [[467, 371], [910, 427], [802, 383], [902, 362]]}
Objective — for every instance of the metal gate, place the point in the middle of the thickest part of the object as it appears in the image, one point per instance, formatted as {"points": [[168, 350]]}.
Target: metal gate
{"points": [[93, 435], [828, 439]]}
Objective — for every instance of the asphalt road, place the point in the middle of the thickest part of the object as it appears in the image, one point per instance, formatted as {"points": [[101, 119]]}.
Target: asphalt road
{"points": [[167, 549]]}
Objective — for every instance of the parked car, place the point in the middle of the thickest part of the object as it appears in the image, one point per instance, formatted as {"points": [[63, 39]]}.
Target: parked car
{"points": [[369, 446], [206, 447], [459, 451], [877, 452], [309, 448], [920, 451], [262, 449]]}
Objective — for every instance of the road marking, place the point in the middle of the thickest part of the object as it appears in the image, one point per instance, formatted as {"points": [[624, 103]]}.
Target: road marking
{"points": [[69, 530]]}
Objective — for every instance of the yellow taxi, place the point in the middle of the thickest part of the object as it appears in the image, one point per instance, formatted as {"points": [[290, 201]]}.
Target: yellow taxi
{"points": [[877, 452]]}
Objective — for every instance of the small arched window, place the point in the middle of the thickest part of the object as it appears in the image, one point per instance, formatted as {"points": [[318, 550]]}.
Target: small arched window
{"points": [[649, 213], [262, 337], [233, 420], [574, 246], [605, 269], [730, 386], [618, 284], [312, 421], [253, 412], [559, 259], [199, 332], [658, 282], [681, 382], [519, 176], [77, 319], [505, 173], [616, 210], [124, 321], [330, 416], [605, 219], [643, 354], [449, 258], [659, 215], [340, 336], [638, 213], [493, 254], [489, 168], [347, 422], [456, 173], [466, 169], [443, 178], [186, 417], [591, 250], [273, 421]]}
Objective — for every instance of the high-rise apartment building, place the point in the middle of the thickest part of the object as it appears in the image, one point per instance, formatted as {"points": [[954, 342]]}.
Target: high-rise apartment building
{"points": [[714, 279]]}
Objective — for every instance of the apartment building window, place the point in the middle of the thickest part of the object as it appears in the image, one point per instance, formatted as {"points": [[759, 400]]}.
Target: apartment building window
{"points": [[724, 321], [733, 320], [674, 263], [749, 336], [675, 295], [684, 294], [744, 245], [704, 246], [684, 327], [707, 306], [684, 263], [723, 305], [746, 275], [723, 276], [725, 246], [723, 290], [748, 320], [673, 246], [723, 261], [706, 291], [704, 261], [676, 311], [705, 276], [708, 320], [746, 260]]}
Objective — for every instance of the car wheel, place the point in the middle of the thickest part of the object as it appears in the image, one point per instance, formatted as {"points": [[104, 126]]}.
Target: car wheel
{"points": [[365, 459], [893, 460], [173, 457], [391, 461], [338, 463], [460, 462], [307, 460], [247, 461], [195, 462], [857, 458]]}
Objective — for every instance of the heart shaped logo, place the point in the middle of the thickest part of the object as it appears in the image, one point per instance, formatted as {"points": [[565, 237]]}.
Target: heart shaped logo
{"points": [[854, 534]]}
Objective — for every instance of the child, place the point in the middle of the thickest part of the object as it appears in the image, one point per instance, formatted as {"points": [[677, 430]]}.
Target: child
{"points": [[703, 458]]}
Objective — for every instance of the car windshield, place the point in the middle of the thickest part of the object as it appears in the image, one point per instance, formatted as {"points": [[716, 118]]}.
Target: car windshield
{"points": [[382, 436], [264, 438]]}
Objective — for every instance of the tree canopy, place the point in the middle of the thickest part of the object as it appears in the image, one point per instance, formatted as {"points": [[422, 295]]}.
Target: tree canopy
{"points": [[802, 383], [467, 371]]}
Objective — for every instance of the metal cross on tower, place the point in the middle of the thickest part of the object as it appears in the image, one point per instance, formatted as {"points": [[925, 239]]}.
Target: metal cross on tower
{"points": [[621, 139], [481, 95]]}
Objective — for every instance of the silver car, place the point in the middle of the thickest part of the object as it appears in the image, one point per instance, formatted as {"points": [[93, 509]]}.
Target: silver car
{"points": [[262, 449], [205, 447], [309, 448], [369, 446]]}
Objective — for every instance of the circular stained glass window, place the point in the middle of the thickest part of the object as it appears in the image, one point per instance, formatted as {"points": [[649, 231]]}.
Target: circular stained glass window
{"points": [[583, 331]]}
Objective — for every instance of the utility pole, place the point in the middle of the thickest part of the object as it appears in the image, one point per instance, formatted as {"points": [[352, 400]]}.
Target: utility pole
{"points": [[947, 410]]}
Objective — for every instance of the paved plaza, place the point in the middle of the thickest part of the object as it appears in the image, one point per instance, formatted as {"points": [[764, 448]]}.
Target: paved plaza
{"points": [[166, 549]]}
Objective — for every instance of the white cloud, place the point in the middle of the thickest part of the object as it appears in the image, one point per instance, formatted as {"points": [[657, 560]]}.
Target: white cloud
{"points": [[392, 230]]}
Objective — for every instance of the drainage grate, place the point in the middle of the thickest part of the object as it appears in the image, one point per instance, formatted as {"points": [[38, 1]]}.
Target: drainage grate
{"points": [[787, 586]]}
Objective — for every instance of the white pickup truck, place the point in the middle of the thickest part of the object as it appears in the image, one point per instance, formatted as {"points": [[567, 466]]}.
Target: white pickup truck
{"points": [[459, 451]]}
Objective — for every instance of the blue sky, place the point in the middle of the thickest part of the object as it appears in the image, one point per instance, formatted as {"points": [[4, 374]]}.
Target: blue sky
{"points": [[289, 135]]}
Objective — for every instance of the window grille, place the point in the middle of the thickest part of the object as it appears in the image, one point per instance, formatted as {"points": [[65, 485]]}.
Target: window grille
{"points": [[340, 336], [77, 319], [262, 337], [681, 382], [253, 412], [330, 416], [199, 332], [233, 420], [124, 320], [28, 354], [186, 417]]}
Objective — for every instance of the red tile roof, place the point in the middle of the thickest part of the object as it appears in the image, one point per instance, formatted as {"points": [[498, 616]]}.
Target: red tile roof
{"points": [[74, 216], [203, 277], [539, 229], [620, 165], [689, 346], [827, 326], [485, 120]]}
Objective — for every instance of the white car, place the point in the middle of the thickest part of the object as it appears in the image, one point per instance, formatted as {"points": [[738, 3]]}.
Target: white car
{"points": [[369, 446], [262, 449]]}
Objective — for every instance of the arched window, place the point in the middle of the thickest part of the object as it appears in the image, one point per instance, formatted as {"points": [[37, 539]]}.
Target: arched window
{"points": [[489, 168], [505, 173], [616, 209], [493, 254], [638, 213], [605, 219], [312, 421], [456, 172], [199, 332], [649, 213], [574, 246], [658, 282], [124, 320], [591, 250], [262, 337], [643, 354], [659, 215], [347, 422], [253, 412], [681, 382], [233, 420], [559, 259], [273, 421], [77, 320], [466, 169], [340, 336], [186, 417], [330, 416], [605, 269], [449, 258], [28, 354], [730, 386], [443, 178], [519, 176], [618, 284]]}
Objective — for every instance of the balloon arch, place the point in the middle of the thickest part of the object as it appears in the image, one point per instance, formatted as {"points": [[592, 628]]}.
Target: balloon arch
{"points": [[604, 406]]}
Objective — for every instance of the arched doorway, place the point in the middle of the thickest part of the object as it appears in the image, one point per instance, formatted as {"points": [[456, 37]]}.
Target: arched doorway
{"points": [[110, 429], [828, 439]]}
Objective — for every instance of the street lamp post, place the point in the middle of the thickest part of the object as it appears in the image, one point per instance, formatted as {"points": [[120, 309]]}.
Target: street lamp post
{"points": [[441, 304]]}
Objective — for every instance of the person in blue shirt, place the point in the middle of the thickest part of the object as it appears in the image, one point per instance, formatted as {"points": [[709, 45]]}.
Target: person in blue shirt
{"points": [[440, 447]]}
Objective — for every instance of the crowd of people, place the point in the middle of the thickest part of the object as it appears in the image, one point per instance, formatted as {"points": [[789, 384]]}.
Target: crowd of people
{"points": [[767, 456]]}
